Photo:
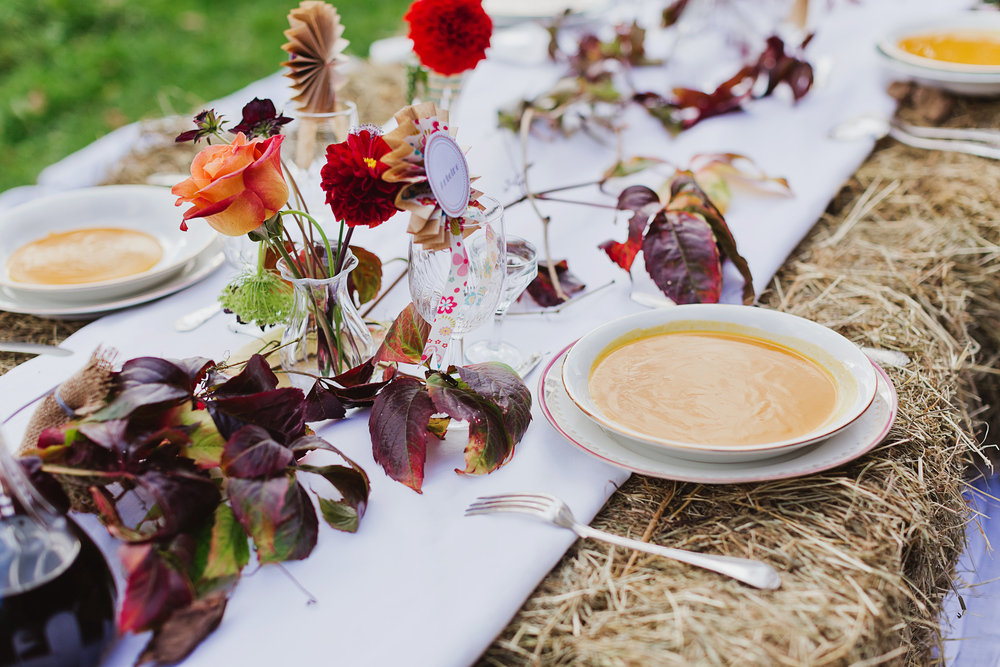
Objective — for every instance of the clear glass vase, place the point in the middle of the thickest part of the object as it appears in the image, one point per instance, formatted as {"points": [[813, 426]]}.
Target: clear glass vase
{"points": [[444, 89], [325, 334], [304, 150]]}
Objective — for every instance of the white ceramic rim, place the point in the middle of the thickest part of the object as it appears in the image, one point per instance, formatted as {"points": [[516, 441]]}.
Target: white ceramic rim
{"points": [[973, 21], [835, 451], [540, 9], [156, 202], [790, 330]]}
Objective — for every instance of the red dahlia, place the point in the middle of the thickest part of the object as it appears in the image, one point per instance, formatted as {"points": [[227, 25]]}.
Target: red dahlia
{"points": [[352, 179], [449, 36]]}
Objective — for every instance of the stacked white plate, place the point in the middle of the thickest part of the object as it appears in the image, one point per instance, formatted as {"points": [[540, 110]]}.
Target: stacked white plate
{"points": [[187, 257], [866, 409], [974, 80]]}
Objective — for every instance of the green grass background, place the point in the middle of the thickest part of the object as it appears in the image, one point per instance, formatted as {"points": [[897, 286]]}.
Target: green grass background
{"points": [[73, 70]]}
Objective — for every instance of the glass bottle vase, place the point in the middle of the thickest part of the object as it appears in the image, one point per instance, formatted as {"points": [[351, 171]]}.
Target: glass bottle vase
{"points": [[57, 595], [325, 335]]}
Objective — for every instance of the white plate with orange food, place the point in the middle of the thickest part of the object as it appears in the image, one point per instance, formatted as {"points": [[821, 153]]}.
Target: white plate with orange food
{"points": [[861, 436], [958, 52], [96, 245], [718, 383]]}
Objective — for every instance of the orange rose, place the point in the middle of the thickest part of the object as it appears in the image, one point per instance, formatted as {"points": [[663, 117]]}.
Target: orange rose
{"points": [[235, 187]]}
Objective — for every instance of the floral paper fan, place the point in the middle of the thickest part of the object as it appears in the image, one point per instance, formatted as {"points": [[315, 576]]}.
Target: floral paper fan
{"points": [[316, 45], [406, 165]]}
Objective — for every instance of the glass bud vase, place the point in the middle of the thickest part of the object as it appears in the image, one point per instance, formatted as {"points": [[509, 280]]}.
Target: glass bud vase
{"points": [[444, 89], [325, 335]]}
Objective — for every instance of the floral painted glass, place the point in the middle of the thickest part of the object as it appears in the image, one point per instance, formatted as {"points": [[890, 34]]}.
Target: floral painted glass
{"points": [[465, 305]]}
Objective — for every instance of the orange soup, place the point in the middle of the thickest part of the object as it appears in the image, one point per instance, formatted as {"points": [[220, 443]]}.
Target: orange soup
{"points": [[966, 47], [712, 388], [84, 256]]}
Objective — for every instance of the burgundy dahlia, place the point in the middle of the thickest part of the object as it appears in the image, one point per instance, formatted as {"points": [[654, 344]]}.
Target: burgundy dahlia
{"points": [[352, 179]]}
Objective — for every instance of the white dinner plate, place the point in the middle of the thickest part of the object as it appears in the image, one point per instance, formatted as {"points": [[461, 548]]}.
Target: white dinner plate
{"points": [[973, 80], [143, 208], [977, 21], [193, 272], [860, 437]]}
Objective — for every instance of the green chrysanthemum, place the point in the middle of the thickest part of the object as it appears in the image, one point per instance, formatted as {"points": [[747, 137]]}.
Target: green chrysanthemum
{"points": [[258, 298]]}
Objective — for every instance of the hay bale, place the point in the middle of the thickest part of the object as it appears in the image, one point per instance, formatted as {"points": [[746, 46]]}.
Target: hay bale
{"points": [[905, 259]]}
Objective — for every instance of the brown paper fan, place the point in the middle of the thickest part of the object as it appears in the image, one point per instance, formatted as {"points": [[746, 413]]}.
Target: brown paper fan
{"points": [[316, 45]]}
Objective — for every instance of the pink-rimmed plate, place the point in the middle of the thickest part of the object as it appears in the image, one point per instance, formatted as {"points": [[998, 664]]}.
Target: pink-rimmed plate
{"points": [[860, 437]]}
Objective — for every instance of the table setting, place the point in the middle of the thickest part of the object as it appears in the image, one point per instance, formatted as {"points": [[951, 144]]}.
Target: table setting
{"points": [[356, 341]]}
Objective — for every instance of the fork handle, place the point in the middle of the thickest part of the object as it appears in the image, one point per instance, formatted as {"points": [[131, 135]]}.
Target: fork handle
{"points": [[970, 147], [752, 572]]}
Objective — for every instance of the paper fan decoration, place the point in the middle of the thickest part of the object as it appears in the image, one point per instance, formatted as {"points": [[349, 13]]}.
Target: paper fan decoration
{"points": [[405, 165], [316, 45]]}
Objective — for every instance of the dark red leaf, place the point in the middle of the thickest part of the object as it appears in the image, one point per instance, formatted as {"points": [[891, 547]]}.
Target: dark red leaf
{"points": [[398, 427], [251, 452], [682, 258], [357, 375], [404, 342], [322, 403], [45, 483], [155, 589], [490, 443], [349, 390], [255, 377], [687, 195], [278, 516], [187, 627], [499, 384], [137, 396], [366, 279], [281, 412], [543, 292]]}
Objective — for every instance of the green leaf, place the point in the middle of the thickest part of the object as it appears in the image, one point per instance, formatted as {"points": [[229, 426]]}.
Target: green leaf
{"points": [[490, 443], [438, 426], [278, 516], [405, 339], [366, 279], [229, 550], [339, 515], [633, 165], [206, 445]]}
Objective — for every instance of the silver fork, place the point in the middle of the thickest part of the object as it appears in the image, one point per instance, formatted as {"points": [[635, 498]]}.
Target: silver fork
{"points": [[755, 573]]}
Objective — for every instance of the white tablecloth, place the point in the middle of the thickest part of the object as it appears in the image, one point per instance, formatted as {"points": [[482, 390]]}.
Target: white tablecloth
{"points": [[419, 584]]}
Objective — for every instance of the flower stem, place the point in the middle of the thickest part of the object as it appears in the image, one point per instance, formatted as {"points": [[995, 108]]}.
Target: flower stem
{"points": [[326, 242], [553, 276]]}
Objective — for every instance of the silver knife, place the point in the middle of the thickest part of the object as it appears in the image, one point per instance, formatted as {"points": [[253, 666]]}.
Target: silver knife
{"points": [[34, 348]]}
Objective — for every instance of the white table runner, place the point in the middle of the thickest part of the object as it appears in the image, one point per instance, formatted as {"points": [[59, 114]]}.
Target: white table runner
{"points": [[419, 584]]}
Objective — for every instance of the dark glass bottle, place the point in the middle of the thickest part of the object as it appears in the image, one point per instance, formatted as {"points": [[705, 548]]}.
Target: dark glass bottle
{"points": [[57, 595]]}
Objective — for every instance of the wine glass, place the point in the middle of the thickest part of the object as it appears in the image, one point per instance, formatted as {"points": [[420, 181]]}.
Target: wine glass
{"points": [[477, 300], [522, 267]]}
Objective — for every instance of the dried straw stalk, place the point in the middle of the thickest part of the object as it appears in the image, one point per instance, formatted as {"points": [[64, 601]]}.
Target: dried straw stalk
{"points": [[867, 551]]}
